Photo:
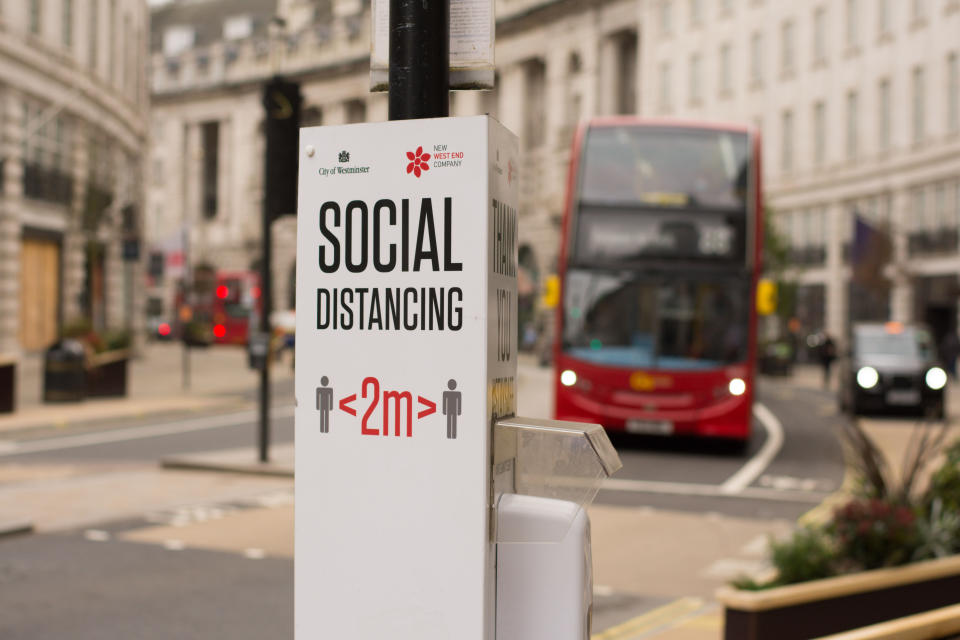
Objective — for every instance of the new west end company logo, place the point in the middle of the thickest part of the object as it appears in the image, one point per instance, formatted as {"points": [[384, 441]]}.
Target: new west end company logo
{"points": [[343, 158], [418, 161], [441, 158]]}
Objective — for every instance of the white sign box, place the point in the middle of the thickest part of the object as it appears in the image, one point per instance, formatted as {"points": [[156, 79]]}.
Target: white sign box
{"points": [[406, 352]]}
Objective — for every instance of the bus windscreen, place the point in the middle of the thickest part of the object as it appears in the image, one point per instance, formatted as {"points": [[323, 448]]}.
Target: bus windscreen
{"points": [[656, 323], [667, 168]]}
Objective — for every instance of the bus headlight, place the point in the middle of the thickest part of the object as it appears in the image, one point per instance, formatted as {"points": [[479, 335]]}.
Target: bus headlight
{"points": [[737, 387], [936, 378], [568, 378], [867, 377]]}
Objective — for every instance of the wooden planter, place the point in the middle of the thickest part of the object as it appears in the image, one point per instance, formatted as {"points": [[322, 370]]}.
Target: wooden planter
{"points": [[107, 374], [821, 607]]}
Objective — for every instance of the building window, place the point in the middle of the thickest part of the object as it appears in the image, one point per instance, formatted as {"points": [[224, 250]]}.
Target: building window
{"points": [[819, 134], [883, 16], [666, 17], [535, 101], [786, 47], [852, 123], [696, 13], [820, 35], [884, 122], [626, 48], [919, 105], [786, 158], [756, 59], [210, 144], [919, 10], [67, 26], [851, 23], [35, 17], [695, 79], [112, 41], [46, 155], [726, 69], [953, 93], [665, 81], [93, 35]]}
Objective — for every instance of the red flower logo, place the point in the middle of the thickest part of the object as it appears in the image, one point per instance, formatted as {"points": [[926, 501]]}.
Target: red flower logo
{"points": [[418, 161]]}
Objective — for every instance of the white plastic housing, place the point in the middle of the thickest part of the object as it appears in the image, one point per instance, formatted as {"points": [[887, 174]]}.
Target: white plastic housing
{"points": [[544, 589]]}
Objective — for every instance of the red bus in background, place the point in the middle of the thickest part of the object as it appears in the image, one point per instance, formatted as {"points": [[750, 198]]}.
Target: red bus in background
{"points": [[656, 326], [235, 306]]}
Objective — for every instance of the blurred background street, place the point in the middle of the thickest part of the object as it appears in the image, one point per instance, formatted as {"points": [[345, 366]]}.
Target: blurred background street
{"points": [[756, 251]]}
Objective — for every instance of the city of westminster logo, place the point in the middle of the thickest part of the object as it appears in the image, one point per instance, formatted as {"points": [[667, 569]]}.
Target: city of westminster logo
{"points": [[344, 156]]}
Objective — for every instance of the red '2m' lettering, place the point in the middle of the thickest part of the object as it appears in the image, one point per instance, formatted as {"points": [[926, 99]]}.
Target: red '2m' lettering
{"points": [[400, 403]]}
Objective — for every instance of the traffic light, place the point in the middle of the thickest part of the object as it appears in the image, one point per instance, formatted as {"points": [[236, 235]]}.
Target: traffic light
{"points": [[766, 297], [282, 102]]}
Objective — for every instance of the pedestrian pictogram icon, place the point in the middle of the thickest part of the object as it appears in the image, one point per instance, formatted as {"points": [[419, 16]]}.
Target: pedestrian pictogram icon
{"points": [[324, 404], [451, 408]]}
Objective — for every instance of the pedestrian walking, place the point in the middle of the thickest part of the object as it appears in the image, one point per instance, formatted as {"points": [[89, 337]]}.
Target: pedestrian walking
{"points": [[828, 353]]}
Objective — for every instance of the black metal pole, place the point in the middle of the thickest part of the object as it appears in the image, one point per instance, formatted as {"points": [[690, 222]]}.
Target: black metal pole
{"points": [[419, 76], [266, 303]]}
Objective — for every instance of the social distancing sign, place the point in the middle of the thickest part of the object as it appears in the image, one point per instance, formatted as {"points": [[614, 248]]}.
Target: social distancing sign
{"points": [[406, 354]]}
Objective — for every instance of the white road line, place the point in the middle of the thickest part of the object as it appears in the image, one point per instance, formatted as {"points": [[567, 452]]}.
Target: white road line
{"points": [[709, 490], [254, 554], [138, 433], [174, 545], [96, 535], [757, 464]]}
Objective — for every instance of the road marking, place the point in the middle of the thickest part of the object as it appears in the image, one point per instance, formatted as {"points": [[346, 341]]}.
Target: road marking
{"points": [[655, 620], [709, 490], [96, 535], [138, 433], [174, 545], [254, 553], [730, 568], [758, 546], [758, 463]]}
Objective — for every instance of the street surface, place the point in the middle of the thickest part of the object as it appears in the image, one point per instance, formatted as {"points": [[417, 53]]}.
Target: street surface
{"points": [[127, 549]]}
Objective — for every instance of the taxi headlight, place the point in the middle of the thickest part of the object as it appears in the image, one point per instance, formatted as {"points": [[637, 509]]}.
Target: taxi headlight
{"points": [[737, 387], [568, 378], [867, 377], [936, 378]]}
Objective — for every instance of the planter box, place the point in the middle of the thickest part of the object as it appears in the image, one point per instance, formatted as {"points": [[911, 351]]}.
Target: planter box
{"points": [[107, 374], [822, 607]]}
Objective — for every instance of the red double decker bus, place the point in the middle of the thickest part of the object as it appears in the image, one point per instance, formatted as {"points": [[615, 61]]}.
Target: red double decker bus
{"points": [[656, 329]]}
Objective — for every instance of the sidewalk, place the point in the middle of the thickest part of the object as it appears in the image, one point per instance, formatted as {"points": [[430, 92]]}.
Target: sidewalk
{"points": [[219, 378]]}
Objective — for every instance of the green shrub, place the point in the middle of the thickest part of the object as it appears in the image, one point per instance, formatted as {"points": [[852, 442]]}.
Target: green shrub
{"points": [[116, 339], [945, 482], [807, 555]]}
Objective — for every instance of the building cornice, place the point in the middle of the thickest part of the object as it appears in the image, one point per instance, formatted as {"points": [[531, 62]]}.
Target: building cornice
{"points": [[246, 84], [899, 166], [23, 62]]}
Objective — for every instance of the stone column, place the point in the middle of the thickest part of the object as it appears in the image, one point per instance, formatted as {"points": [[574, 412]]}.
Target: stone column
{"points": [[11, 128], [901, 291], [836, 285]]}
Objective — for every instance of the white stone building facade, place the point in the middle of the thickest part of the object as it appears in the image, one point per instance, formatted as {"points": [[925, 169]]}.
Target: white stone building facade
{"points": [[73, 113], [857, 101]]}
